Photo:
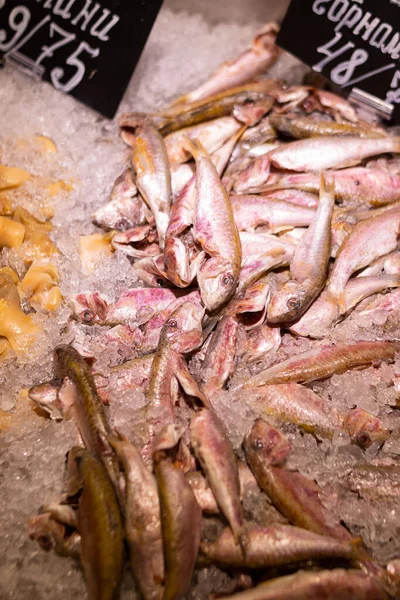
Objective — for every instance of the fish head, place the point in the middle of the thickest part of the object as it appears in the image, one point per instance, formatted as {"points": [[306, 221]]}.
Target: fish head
{"points": [[261, 340], [62, 356], [45, 395], [266, 444], [217, 282], [364, 429], [183, 329], [286, 305], [89, 308]]}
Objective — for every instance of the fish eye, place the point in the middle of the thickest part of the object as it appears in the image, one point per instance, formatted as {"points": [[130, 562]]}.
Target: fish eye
{"points": [[258, 444], [87, 316], [293, 303], [363, 439], [172, 324], [356, 182], [160, 282], [122, 224], [240, 295], [227, 279], [248, 102], [251, 334]]}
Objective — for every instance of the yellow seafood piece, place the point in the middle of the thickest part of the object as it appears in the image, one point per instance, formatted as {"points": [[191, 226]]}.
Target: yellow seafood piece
{"points": [[37, 247], [5, 204], [12, 233], [9, 272], [57, 187], [93, 248], [31, 223], [17, 327], [46, 144], [40, 285], [11, 177]]}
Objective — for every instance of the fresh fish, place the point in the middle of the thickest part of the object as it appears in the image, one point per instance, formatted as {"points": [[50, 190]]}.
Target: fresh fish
{"points": [[215, 230], [150, 163], [323, 361], [251, 303], [130, 375], [180, 267], [258, 342], [181, 526], [212, 135], [304, 127], [369, 239], [250, 113], [86, 406], [143, 521], [99, 524], [152, 329], [122, 214], [139, 305], [317, 585], [337, 104], [51, 534], [294, 403], [309, 266], [215, 108], [272, 216], [364, 429], [293, 196], [357, 185], [125, 209], [180, 334], [138, 242], [320, 153], [325, 313], [180, 175], [253, 61], [45, 395], [204, 494], [213, 450], [294, 495], [219, 361], [275, 546], [253, 177], [89, 308], [151, 271]]}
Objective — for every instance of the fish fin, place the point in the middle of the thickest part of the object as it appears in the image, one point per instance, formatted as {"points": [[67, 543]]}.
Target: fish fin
{"points": [[188, 384], [194, 146]]}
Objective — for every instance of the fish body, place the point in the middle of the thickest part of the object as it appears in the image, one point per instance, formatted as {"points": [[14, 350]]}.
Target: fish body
{"points": [[181, 527], [305, 127], [219, 361], [211, 134], [258, 342], [240, 70], [294, 495], [322, 362], [334, 584], [320, 153], [309, 266], [325, 312], [87, 406], [99, 523], [294, 403], [364, 429], [275, 546], [213, 449], [252, 212], [216, 231], [143, 521], [369, 239], [151, 166]]}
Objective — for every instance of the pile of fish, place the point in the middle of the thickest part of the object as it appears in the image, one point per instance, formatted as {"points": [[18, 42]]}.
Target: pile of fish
{"points": [[252, 213]]}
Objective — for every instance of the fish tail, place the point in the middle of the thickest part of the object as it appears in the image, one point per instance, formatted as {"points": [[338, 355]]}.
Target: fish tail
{"points": [[326, 188], [194, 147]]}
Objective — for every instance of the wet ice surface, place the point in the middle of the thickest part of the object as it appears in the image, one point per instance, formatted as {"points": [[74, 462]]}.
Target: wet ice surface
{"points": [[32, 449]]}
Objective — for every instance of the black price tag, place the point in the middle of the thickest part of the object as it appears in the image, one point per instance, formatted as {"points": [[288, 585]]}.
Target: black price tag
{"points": [[86, 48], [354, 43]]}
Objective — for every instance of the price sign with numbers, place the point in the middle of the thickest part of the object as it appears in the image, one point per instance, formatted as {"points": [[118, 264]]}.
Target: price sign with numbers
{"points": [[354, 43], [86, 48]]}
